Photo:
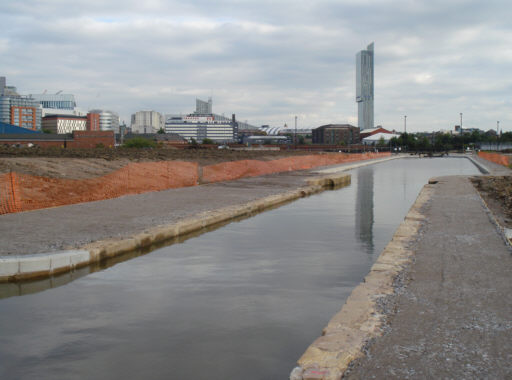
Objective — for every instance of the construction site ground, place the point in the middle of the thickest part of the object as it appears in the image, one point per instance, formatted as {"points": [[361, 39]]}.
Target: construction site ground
{"points": [[89, 163], [449, 316]]}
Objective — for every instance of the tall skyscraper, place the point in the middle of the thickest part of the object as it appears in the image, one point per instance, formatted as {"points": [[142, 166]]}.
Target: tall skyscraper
{"points": [[364, 87]]}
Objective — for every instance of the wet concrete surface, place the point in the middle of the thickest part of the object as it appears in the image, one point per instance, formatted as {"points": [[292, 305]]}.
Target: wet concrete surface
{"points": [[451, 318]]}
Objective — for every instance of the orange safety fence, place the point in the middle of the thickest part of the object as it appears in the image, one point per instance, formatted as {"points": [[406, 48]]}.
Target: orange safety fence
{"points": [[250, 168], [497, 158], [23, 192]]}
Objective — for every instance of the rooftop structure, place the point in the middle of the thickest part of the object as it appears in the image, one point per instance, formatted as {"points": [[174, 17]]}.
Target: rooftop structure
{"points": [[203, 108], [364, 87], [378, 137], [284, 130], [14, 129], [56, 101]]}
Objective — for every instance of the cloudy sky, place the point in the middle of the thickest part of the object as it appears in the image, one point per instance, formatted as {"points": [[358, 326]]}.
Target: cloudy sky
{"points": [[268, 60]]}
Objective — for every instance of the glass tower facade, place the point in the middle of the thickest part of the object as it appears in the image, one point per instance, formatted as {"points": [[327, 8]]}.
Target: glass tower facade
{"points": [[364, 88]]}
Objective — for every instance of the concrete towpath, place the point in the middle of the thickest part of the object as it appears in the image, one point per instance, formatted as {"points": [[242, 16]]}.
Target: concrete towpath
{"points": [[452, 319], [73, 226]]}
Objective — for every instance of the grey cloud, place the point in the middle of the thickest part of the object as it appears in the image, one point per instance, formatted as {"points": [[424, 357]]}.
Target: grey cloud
{"points": [[267, 61]]}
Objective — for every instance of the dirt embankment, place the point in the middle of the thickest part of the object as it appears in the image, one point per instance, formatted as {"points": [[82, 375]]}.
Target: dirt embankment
{"points": [[41, 182], [88, 163], [497, 193]]}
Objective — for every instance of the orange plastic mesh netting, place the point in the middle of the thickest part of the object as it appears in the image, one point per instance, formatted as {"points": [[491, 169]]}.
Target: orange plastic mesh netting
{"points": [[250, 168], [495, 157], [22, 192]]}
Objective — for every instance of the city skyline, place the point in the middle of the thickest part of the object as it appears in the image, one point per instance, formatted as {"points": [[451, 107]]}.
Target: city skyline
{"points": [[266, 62]]}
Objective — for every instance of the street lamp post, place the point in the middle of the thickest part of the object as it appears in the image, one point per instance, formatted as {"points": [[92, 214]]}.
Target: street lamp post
{"points": [[405, 123], [295, 132], [461, 134], [498, 135]]}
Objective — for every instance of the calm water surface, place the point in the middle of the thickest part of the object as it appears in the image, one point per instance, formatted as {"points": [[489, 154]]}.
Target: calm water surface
{"points": [[242, 302]]}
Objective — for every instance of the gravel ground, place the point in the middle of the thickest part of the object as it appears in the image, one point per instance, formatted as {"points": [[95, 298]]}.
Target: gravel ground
{"points": [[73, 226], [452, 318]]}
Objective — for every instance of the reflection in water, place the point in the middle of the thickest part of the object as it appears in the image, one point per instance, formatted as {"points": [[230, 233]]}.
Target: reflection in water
{"points": [[242, 302], [364, 208], [31, 286]]}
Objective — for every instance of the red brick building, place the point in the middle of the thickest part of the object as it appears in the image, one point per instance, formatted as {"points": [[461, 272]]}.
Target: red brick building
{"points": [[93, 121], [77, 139], [24, 117], [336, 134]]}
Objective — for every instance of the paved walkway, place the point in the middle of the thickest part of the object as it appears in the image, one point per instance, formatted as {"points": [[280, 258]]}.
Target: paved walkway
{"points": [[453, 318]]}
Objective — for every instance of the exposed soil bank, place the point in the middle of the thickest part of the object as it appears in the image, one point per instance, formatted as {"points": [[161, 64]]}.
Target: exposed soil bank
{"points": [[11, 159], [23, 192]]}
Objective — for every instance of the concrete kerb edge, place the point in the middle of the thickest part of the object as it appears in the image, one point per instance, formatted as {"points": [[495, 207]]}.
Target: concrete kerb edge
{"points": [[483, 169], [19, 268], [358, 321], [359, 164]]}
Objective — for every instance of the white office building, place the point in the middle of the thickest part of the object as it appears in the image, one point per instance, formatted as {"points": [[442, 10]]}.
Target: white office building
{"points": [[109, 120], [146, 122], [201, 127]]}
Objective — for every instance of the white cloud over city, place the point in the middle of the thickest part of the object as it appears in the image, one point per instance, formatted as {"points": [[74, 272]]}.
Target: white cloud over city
{"points": [[267, 61]]}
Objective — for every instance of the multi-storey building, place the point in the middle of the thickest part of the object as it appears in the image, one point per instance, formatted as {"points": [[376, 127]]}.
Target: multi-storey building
{"points": [[93, 122], [202, 127], [203, 108], [61, 124], [336, 134], [19, 110], [109, 120], [146, 122], [364, 87], [55, 102], [203, 124]]}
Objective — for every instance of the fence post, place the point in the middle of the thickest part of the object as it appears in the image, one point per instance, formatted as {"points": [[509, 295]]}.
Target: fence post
{"points": [[15, 206]]}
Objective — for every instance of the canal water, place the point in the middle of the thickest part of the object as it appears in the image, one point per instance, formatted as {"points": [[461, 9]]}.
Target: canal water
{"points": [[241, 302]]}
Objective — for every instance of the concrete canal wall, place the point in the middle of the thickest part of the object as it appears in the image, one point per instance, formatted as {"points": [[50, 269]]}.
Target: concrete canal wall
{"points": [[18, 268], [360, 320]]}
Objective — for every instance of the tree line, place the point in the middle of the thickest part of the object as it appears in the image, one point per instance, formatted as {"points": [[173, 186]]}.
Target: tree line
{"points": [[440, 141]]}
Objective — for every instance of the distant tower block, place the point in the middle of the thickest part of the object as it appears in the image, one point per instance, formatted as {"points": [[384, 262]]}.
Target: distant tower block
{"points": [[364, 87], [203, 108]]}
